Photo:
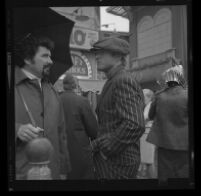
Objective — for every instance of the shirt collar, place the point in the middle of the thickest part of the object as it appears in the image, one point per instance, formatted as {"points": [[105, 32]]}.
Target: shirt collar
{"points": [[22, 74], [30, 75]]}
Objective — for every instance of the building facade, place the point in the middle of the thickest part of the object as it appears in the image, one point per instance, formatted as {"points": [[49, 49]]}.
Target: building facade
{"points": [[158, 34]]}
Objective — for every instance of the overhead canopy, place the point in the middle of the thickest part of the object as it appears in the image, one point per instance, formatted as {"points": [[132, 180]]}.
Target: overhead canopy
{"points": [[119, 11]]}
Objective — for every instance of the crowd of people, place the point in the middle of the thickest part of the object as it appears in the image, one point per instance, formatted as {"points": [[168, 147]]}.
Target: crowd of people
{"points": [[131, 124]]}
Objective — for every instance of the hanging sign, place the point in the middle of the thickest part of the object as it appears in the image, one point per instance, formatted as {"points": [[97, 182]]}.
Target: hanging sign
{"points": [[83, 38], [81, 67]]}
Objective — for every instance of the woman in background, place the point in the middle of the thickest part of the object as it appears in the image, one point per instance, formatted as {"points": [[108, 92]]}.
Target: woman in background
{"points": [[147, 150]]}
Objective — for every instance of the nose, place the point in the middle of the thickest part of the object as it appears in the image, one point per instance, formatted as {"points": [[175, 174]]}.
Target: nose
{"points": [[50, 61]]}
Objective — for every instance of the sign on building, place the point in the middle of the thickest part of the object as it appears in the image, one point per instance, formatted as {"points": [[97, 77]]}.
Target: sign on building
{"points": [[81, 67], [83, 38]]}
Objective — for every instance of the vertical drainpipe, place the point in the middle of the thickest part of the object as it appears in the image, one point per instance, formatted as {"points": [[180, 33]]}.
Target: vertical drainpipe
{"points": [[179, 34]]}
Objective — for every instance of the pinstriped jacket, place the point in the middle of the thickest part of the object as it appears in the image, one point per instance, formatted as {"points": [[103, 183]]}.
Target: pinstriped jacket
{"points": [[121, 124]]}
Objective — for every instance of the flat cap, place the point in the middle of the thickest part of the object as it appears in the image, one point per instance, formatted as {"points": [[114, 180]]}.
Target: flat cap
{"points": [[113, 44]]}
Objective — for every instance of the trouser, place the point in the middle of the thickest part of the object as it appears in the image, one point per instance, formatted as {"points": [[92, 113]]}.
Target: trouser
{"points": [[106, 169], [172, 164]]}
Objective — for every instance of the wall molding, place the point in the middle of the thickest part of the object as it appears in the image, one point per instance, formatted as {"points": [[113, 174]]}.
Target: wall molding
{"points": [[150, 68], [149, 61]]}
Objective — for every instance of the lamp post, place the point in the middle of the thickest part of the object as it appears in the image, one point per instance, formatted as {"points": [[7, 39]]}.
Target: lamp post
{"points": [[38, 152]]}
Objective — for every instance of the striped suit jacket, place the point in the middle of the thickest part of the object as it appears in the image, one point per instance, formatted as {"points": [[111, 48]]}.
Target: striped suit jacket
{"points": [[121, 124]]}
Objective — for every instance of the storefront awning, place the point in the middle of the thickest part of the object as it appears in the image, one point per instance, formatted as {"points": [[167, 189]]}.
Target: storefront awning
{"points": [[150, 68], [119, 11]]}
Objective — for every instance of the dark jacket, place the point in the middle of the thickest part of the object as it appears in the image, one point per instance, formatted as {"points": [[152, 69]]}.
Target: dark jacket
{"points": [[81, 125], [120, 117], [51, 119], [170, 114]]}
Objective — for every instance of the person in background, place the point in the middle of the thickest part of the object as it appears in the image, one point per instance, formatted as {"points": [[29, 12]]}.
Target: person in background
{"points": [[120, 114], [78, 89], [169, 132], [81, 128], [147, 166], [38, 108]]}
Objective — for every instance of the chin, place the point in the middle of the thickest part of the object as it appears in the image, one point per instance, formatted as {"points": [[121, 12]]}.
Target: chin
{"points": [[47, 71]]}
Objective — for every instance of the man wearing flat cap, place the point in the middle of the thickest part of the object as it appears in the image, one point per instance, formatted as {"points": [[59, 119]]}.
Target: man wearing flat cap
{"points": [[119, 112]]}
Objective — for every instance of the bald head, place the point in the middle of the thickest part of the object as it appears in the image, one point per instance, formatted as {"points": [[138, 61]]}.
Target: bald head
{"points": [[69, 82]]}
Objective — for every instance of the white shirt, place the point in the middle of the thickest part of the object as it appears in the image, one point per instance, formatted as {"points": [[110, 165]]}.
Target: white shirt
{"points": [[31, 76], [146, 117]]}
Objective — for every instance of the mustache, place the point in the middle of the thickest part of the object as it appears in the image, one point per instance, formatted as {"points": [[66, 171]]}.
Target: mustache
{"points": [[47, 66], [46, 70]]}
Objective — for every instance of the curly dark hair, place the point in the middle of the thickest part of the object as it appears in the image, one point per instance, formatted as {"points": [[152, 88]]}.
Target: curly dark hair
{"points": [[27, 47]]}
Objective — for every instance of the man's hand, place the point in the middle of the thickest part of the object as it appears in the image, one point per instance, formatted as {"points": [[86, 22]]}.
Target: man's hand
{"points": [[28, 132], [95, 147], [104, 144]]}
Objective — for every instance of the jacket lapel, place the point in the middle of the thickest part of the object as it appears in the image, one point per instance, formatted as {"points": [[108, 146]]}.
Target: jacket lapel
{"points": [[107, 86]]}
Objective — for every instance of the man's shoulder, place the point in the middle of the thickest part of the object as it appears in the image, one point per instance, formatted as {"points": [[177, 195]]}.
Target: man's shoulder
{"points": [[172, 94], [19, 75], [179, 91], [127, 77], [161, 92], [53, 89], [127, 81], [68, 95], [82, 99], [74, 96]]}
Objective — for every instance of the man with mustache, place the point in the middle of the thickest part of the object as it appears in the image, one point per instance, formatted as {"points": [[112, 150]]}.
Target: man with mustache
{"points": [[38, 110]]}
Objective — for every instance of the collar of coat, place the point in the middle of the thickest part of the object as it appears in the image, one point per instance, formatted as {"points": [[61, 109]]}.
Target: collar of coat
{"points": [[114, 71], [168, 88], [21, 76]]}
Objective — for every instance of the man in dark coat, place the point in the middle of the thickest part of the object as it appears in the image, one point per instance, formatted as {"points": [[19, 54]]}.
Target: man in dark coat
{"points": [[169, 132], [120, 114], [37, 106], [81, 127]]}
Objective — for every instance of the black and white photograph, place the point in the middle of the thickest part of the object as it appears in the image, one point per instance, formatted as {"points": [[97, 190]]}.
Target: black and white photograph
{"points": [[98, 96]]}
